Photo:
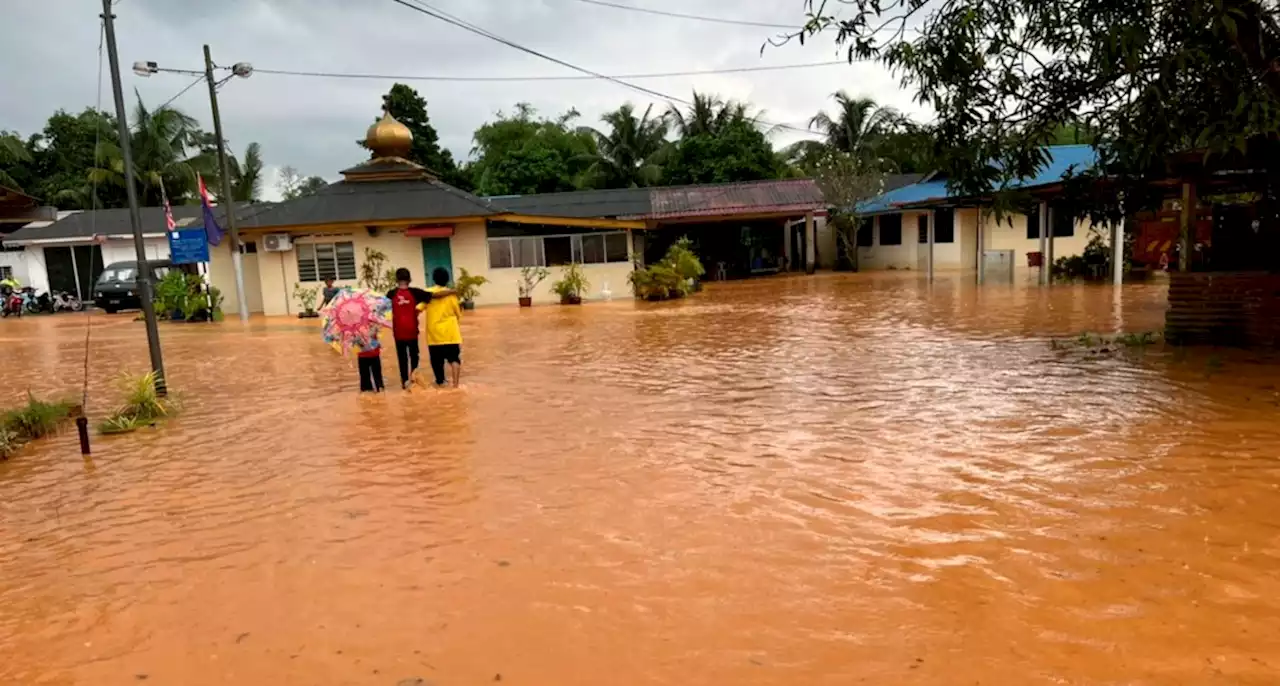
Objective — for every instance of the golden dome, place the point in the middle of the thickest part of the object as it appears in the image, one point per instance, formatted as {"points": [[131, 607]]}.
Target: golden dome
{"points": [[388, 137]]}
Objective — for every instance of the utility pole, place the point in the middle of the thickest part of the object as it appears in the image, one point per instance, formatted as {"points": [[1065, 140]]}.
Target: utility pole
{"points": [[237, 261], [135, 218]]}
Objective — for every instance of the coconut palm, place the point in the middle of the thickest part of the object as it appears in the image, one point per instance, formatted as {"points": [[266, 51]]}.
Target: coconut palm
{"points": [[12, 152], [859, 124], [707, 114], [628, 156], [246, 175], [167, 152]]}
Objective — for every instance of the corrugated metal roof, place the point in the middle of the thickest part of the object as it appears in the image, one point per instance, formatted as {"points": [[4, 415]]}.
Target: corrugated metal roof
{"points": [[115, 222], [611, 203], [753, 197], [373, 202], [1062, 159]]}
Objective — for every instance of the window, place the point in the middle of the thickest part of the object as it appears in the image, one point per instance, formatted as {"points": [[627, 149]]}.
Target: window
{"points": [[553, 251], [944, 226], [320, 261], [890, 229], [1064, 225], [922, 228], [864, 232], [6, 272], [248, 248], [1033, 223]]}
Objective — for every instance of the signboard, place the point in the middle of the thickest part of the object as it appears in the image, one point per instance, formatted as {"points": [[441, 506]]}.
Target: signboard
{"points": [[188, 246]]}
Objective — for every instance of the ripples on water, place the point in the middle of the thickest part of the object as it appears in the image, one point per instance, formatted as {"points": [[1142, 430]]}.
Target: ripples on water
{"points": [[809, 480]]}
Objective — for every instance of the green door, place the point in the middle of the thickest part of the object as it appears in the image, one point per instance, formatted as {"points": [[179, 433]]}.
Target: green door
{"points": [[436, 253]]}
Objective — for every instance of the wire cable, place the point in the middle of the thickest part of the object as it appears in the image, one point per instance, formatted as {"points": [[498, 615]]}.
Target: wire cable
{"points": [[424, 8], [93, 222], [509, 79], [679, 15], [181, 92]]}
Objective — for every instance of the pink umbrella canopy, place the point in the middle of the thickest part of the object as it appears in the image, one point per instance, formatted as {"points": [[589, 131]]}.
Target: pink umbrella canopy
{"points": [[353, 317]]}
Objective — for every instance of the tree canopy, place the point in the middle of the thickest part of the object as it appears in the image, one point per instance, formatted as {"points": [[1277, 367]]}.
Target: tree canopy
{"points": [[1006, 77], [718, 143], [521, 153], [630, 153], [409, 108]]}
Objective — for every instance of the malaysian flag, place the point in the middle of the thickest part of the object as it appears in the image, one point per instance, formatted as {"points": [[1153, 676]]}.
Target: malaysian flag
{"points": [[169, 224], [211, 227]]}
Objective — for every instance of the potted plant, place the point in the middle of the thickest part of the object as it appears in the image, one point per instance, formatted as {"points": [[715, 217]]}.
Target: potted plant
{"points": [[572, 285], [306, 298], [530, 277], [468, 287]]}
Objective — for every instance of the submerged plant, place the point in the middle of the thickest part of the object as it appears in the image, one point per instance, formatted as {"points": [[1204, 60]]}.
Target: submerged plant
{"points": [[142, 405], [34, 420]]}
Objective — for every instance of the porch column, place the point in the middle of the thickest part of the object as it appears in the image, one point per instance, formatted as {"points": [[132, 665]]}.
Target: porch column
{"points": [[810, 244], [1048, 261], [982, 246], [1044, 243], [930, 253], [75, 272], [1117, 251], [1187, 239], [786, 245]]}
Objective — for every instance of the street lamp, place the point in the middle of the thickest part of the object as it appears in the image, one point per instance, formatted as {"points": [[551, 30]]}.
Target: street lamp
{"points": [[243, 70]]}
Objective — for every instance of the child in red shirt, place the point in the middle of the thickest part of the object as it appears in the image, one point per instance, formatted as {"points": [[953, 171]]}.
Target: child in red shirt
{"points": [[406, 303]]}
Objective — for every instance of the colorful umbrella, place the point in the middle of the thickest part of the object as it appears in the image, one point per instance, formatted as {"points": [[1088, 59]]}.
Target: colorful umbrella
{"points": [[353, 317]]}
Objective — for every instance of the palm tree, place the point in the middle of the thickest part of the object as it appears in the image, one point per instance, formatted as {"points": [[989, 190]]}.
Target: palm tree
{"points": [[859, 124], [12, 151], [163, 141], [629, 155], [246, 177], [707, 114]]}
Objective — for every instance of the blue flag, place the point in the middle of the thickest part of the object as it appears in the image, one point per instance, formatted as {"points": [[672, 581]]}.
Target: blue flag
{"points": [[211, 227]]}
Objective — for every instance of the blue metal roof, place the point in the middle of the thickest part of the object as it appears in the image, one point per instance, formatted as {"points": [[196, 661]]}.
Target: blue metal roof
{"points": [[1062, 158]]}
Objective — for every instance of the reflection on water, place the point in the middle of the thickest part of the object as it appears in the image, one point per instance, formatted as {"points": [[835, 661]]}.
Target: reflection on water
{"points": [[795, 481]]}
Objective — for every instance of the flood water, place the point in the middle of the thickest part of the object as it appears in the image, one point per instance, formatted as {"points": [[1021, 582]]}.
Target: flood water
{"points": [[829, 480]]}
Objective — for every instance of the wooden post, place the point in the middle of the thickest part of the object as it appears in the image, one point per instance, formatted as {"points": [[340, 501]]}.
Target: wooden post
{"points": [[1117, 251], [1048, 258], [931, 223], [1187, 238], [810, 244], [982, 263], [1044, 243]]}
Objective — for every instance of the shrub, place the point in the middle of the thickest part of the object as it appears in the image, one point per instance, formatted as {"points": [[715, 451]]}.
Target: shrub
{"points": [[573, 283], [671, 277], [142, 405], [468, 286], [38, 418]]}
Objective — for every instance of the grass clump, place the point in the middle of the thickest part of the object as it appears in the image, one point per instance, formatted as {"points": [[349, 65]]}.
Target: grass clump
{"points": [[142, 406], [36, 419]]}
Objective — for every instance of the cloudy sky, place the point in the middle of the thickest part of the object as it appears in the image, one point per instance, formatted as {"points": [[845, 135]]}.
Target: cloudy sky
{"points": [[50, 48]]}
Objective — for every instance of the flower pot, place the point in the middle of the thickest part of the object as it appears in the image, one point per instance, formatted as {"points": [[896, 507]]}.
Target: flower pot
{"points": [[309, 314], [570, 300], [526, 301], [468, 304]]}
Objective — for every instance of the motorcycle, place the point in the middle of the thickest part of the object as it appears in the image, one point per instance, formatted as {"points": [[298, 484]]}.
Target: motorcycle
{"points": [[66, 302], [10, 303], [35, 304]]}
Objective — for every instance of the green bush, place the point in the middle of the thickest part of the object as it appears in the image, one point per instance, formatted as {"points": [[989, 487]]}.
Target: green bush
{"points": [[38, 418], [671, 277], [142, 405], [573, 283]]}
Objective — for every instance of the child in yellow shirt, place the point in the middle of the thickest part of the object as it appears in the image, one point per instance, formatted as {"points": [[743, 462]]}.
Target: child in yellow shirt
{"points": [[444, 336]]}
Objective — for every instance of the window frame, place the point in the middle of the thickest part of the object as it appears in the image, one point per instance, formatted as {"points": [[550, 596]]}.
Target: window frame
{"points": [[316, 263], [576, 252], [6, 271]]}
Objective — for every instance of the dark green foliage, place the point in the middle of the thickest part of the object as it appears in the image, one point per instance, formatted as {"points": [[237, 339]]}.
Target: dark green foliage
{"points": [[409, 108], [519, 154], [1141, 79]]}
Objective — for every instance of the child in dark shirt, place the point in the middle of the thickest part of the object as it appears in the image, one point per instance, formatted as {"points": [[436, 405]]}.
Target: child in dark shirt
{"points": [[369, 360]]}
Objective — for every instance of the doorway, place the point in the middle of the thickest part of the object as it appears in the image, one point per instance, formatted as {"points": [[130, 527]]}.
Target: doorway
{"points": [[73, 269], [436, 253]]}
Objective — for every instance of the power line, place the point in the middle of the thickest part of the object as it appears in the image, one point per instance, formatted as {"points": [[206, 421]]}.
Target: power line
{"points": [[501, 79], [679, 15], [424, 8], [181, 92]]}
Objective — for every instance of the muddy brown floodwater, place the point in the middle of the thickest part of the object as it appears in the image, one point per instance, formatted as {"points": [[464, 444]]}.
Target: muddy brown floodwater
{"points": [[827, 480]]}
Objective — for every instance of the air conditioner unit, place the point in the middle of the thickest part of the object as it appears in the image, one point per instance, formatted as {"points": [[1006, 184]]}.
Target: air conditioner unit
{"points": [[277, 242]]}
